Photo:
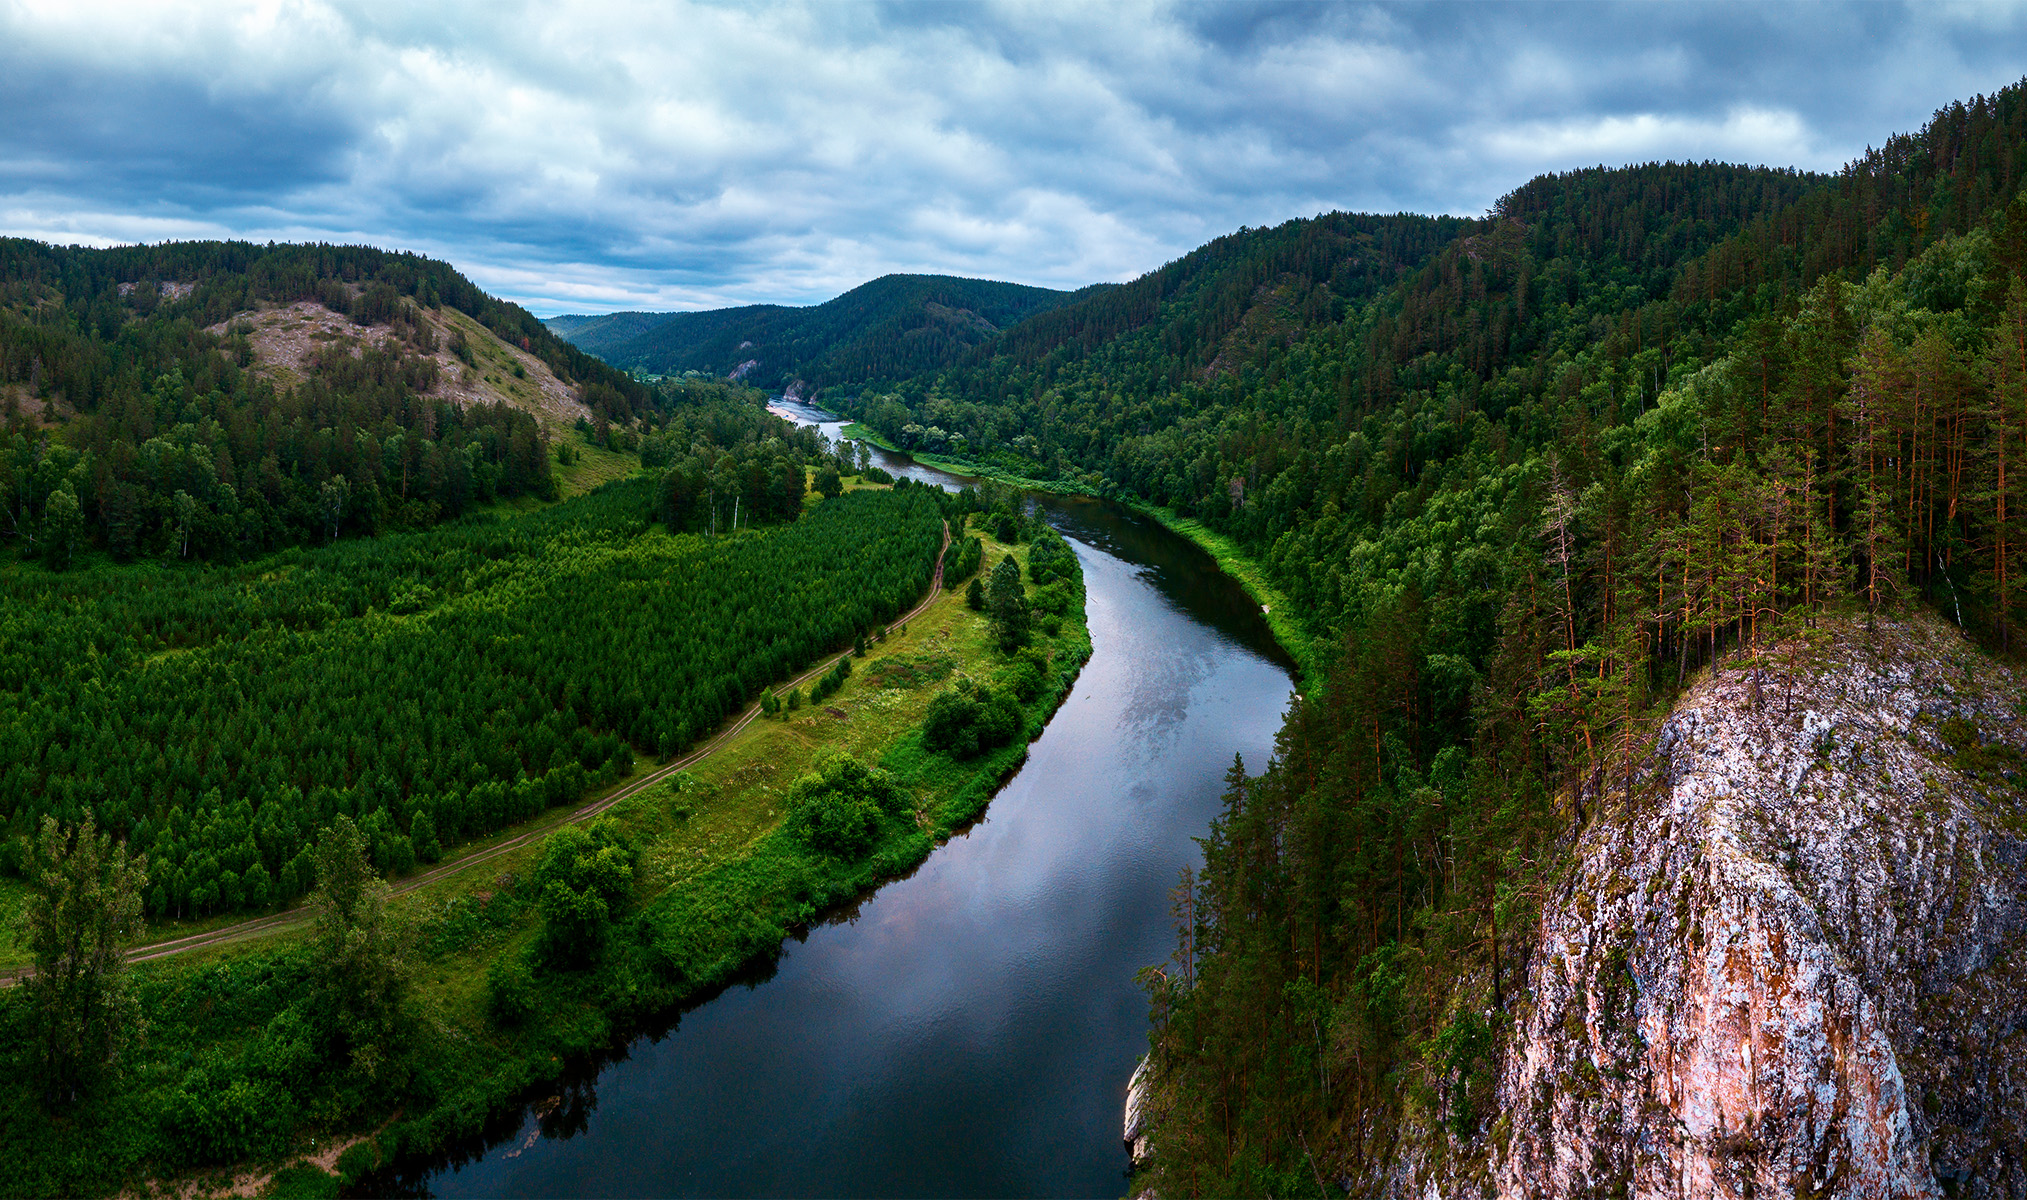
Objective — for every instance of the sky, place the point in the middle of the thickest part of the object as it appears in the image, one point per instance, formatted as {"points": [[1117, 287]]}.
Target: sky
{"points": [[581, 156]]}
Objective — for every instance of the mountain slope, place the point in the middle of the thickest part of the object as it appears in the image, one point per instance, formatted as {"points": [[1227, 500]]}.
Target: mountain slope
{"points": [[894, 326], [214, 399], [598, 334], [1634, 426]]}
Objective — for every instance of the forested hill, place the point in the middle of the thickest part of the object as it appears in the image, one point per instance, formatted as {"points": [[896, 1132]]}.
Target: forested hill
{"points": [[1523, 476], [893, 327], [223, 398], [599, 334], [1085, 382], [206, 282]]}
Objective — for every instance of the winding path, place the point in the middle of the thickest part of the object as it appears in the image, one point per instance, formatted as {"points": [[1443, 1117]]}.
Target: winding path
{"points": [[259, 926]]}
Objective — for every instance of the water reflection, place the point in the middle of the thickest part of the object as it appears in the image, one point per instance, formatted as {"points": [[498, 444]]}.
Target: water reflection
{"points": [[969, 1029]]}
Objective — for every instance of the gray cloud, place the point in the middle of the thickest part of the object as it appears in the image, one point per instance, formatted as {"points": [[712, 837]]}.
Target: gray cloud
{"points": [[587, 156]]}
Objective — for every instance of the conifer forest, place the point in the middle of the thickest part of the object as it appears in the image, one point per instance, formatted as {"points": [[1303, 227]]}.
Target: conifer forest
{"points": [[325, 574]]}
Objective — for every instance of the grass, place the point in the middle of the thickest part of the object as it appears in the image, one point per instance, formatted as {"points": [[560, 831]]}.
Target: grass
{"points": [[595, 465]]}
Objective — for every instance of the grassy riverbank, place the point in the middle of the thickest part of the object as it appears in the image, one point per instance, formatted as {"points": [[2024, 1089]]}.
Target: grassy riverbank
{"points": [[1234, 561], [1288, 628], [227, 1076]]}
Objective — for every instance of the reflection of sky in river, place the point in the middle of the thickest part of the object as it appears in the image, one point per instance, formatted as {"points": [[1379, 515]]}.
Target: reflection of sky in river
{"points": [[967, 1030], [1172, 658]]}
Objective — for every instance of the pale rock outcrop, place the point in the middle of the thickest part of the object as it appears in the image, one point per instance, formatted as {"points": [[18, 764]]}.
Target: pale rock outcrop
{"points": [[1791, 962], [1137, 1149]]}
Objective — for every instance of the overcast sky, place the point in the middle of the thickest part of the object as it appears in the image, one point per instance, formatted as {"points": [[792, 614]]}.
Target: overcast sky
{"points": [[588, 156]]}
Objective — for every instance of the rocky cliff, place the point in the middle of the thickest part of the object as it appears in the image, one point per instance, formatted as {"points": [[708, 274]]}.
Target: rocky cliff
{"points": [[1789, 960]]}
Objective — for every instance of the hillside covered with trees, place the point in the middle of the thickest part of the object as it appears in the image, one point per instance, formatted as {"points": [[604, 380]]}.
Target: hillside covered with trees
{"points": [[1523, 476], [130, 422], [182, 741], [243, 602], [896, 325]]}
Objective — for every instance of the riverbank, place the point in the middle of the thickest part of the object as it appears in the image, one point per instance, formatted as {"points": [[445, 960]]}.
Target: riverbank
{"points": [[1231, 558], [728, 883], [719, 883]]}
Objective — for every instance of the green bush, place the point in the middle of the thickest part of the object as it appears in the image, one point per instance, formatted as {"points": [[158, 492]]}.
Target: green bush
{"points": [[358, 1159], [838, 808], [963, 562], [832, 680], [584, 877], [303, 1182], [968, 720], [216, 1116], [510, 992], [1025, 676], [1050, 558]]}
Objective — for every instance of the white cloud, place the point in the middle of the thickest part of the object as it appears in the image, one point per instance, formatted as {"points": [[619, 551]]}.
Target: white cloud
{"points": [[1745, 134], [616, 155]]}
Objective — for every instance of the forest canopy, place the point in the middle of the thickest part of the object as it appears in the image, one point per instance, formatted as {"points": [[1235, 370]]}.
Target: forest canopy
{"points": [[151, 434], [432, 686], [1522, 476]]}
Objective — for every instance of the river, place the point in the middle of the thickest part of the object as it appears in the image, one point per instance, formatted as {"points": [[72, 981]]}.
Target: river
{"points": [[967, 1030]]}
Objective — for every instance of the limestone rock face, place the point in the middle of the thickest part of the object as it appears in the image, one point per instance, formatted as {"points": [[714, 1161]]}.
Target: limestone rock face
{"points": [[1791, 962]]}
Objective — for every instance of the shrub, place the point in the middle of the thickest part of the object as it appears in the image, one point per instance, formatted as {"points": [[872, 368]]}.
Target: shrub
{"points": [[838, 808], [510, 992], [1050, 557], [1025, 675], [951, 724], [303, 1182], [968, 720], [833, 680], [215, 1116], [585, 875], [963, 562], [357, 1160]]}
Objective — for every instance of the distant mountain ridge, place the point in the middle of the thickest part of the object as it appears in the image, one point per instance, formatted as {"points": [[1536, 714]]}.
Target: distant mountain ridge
{"points": [[893, 327], [593, 334]]}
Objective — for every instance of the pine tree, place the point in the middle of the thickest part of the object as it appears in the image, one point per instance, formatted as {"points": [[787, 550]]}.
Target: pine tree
{"points": [[62, 521], [2004, 413], [1879, 386]]}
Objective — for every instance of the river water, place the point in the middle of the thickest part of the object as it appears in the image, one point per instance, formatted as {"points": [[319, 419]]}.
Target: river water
{"points": [[967, 1030]]}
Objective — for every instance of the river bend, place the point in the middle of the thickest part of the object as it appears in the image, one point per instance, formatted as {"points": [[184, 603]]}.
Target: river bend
{"points": [[967, 1030]]}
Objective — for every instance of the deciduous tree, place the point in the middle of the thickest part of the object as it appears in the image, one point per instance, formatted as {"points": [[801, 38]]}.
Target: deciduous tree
{"points": [[83, 910]]}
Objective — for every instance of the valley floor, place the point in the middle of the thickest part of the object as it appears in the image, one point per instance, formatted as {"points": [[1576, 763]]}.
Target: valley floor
{"points": [[719, 883]]}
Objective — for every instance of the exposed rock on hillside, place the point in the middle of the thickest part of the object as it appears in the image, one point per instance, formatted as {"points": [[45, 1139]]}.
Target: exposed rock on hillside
{"points": [[1792, 963], [286, 338]]}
